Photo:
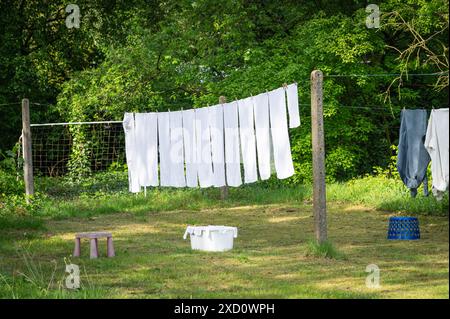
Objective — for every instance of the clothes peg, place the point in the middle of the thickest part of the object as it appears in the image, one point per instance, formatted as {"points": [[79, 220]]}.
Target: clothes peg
{"points": [[285, 85]]}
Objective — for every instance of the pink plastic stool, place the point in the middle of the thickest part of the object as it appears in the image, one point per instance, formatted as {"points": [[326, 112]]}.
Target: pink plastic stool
{"points": [[93, 237]]}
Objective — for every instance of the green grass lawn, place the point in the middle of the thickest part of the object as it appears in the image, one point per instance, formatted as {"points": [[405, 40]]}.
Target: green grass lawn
{"points": [[271, 258]]}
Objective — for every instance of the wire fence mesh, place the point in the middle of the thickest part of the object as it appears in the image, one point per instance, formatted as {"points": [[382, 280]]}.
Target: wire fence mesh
{"points": [[52, 145]]}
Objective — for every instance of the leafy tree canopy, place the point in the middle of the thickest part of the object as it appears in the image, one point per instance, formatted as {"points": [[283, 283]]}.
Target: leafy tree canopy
{"points": [[158, 55]]}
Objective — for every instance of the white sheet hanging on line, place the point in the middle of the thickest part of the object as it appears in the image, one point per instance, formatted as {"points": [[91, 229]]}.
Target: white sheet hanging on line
{"points": [[217, 144], [247, 139], [262, 129], [203, 144], [176, 153], [280, 135], [164, 148], [146, 139], [232, 151], [437, 145], [130, 152], [292, 102], [189, 142]]}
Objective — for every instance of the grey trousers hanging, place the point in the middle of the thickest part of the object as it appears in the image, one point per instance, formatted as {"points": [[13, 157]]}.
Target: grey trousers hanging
{"points": [[413, 158]]}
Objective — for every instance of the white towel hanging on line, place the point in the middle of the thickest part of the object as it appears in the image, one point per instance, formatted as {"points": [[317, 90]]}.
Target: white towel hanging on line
{"points": [[130, 152], [232, 149], [292, 102], [146, 140], [203, 151], [247, 139], [280, 135], [217, 144], [190, 142], [176, 152], [164, 148], [262, 129]]}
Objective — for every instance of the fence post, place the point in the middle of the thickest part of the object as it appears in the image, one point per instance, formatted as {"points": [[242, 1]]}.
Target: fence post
{"points": [[27, 155], [223, 189], [318, 157]]}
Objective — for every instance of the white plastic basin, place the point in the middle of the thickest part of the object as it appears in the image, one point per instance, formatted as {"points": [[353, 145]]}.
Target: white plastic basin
{"points": [[211, 238]]}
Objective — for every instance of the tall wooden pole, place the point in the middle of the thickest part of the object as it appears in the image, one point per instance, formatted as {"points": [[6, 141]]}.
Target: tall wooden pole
{"points": [[318, 156], [223, 189], [26, 142]]}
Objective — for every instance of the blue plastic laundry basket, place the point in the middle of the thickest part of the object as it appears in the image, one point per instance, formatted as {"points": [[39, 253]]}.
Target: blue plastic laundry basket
{"points": [[403, 228]]}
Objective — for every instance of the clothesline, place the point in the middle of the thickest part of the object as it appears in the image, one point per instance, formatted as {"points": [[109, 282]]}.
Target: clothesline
{"points": [[19, 102], [12, 103], [368, 108], [374, 75], [383, 74], [375, 107], [351, 106]]}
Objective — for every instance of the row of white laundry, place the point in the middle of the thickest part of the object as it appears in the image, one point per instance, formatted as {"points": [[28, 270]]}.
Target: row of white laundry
{"points": [[206, 146]]}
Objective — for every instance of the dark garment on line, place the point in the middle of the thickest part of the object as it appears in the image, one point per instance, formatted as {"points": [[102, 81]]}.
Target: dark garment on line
{"points": [[413, 158]]}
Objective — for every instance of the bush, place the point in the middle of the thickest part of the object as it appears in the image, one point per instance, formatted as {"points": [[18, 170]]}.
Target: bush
{"points": [[10, 184]]}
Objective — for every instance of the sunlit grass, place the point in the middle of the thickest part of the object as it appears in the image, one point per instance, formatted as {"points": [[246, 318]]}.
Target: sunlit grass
{"points": [[273, 257]]}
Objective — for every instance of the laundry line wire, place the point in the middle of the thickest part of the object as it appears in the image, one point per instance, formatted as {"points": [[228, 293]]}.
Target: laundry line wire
{"points": [[353, 107], [118, 122], [31, 103], [43, 104], [384, 74], [11, 103]]}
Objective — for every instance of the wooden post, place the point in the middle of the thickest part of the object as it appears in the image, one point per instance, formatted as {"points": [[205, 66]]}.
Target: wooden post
{"points": [[223, 189], [318, 157], [26, 143]]}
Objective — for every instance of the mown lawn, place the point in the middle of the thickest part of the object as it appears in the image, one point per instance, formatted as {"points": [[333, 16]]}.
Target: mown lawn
{"points": [[270, 259]]}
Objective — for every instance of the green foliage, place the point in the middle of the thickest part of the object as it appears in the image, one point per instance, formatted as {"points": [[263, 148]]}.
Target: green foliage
{"points": [[15, 212], [140, 56], [10, 184], [117, 167], [79, 164], [387, 194]]}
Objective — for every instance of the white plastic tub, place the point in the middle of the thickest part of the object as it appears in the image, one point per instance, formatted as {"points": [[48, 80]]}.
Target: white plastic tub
{"points": [[211, 238]]}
